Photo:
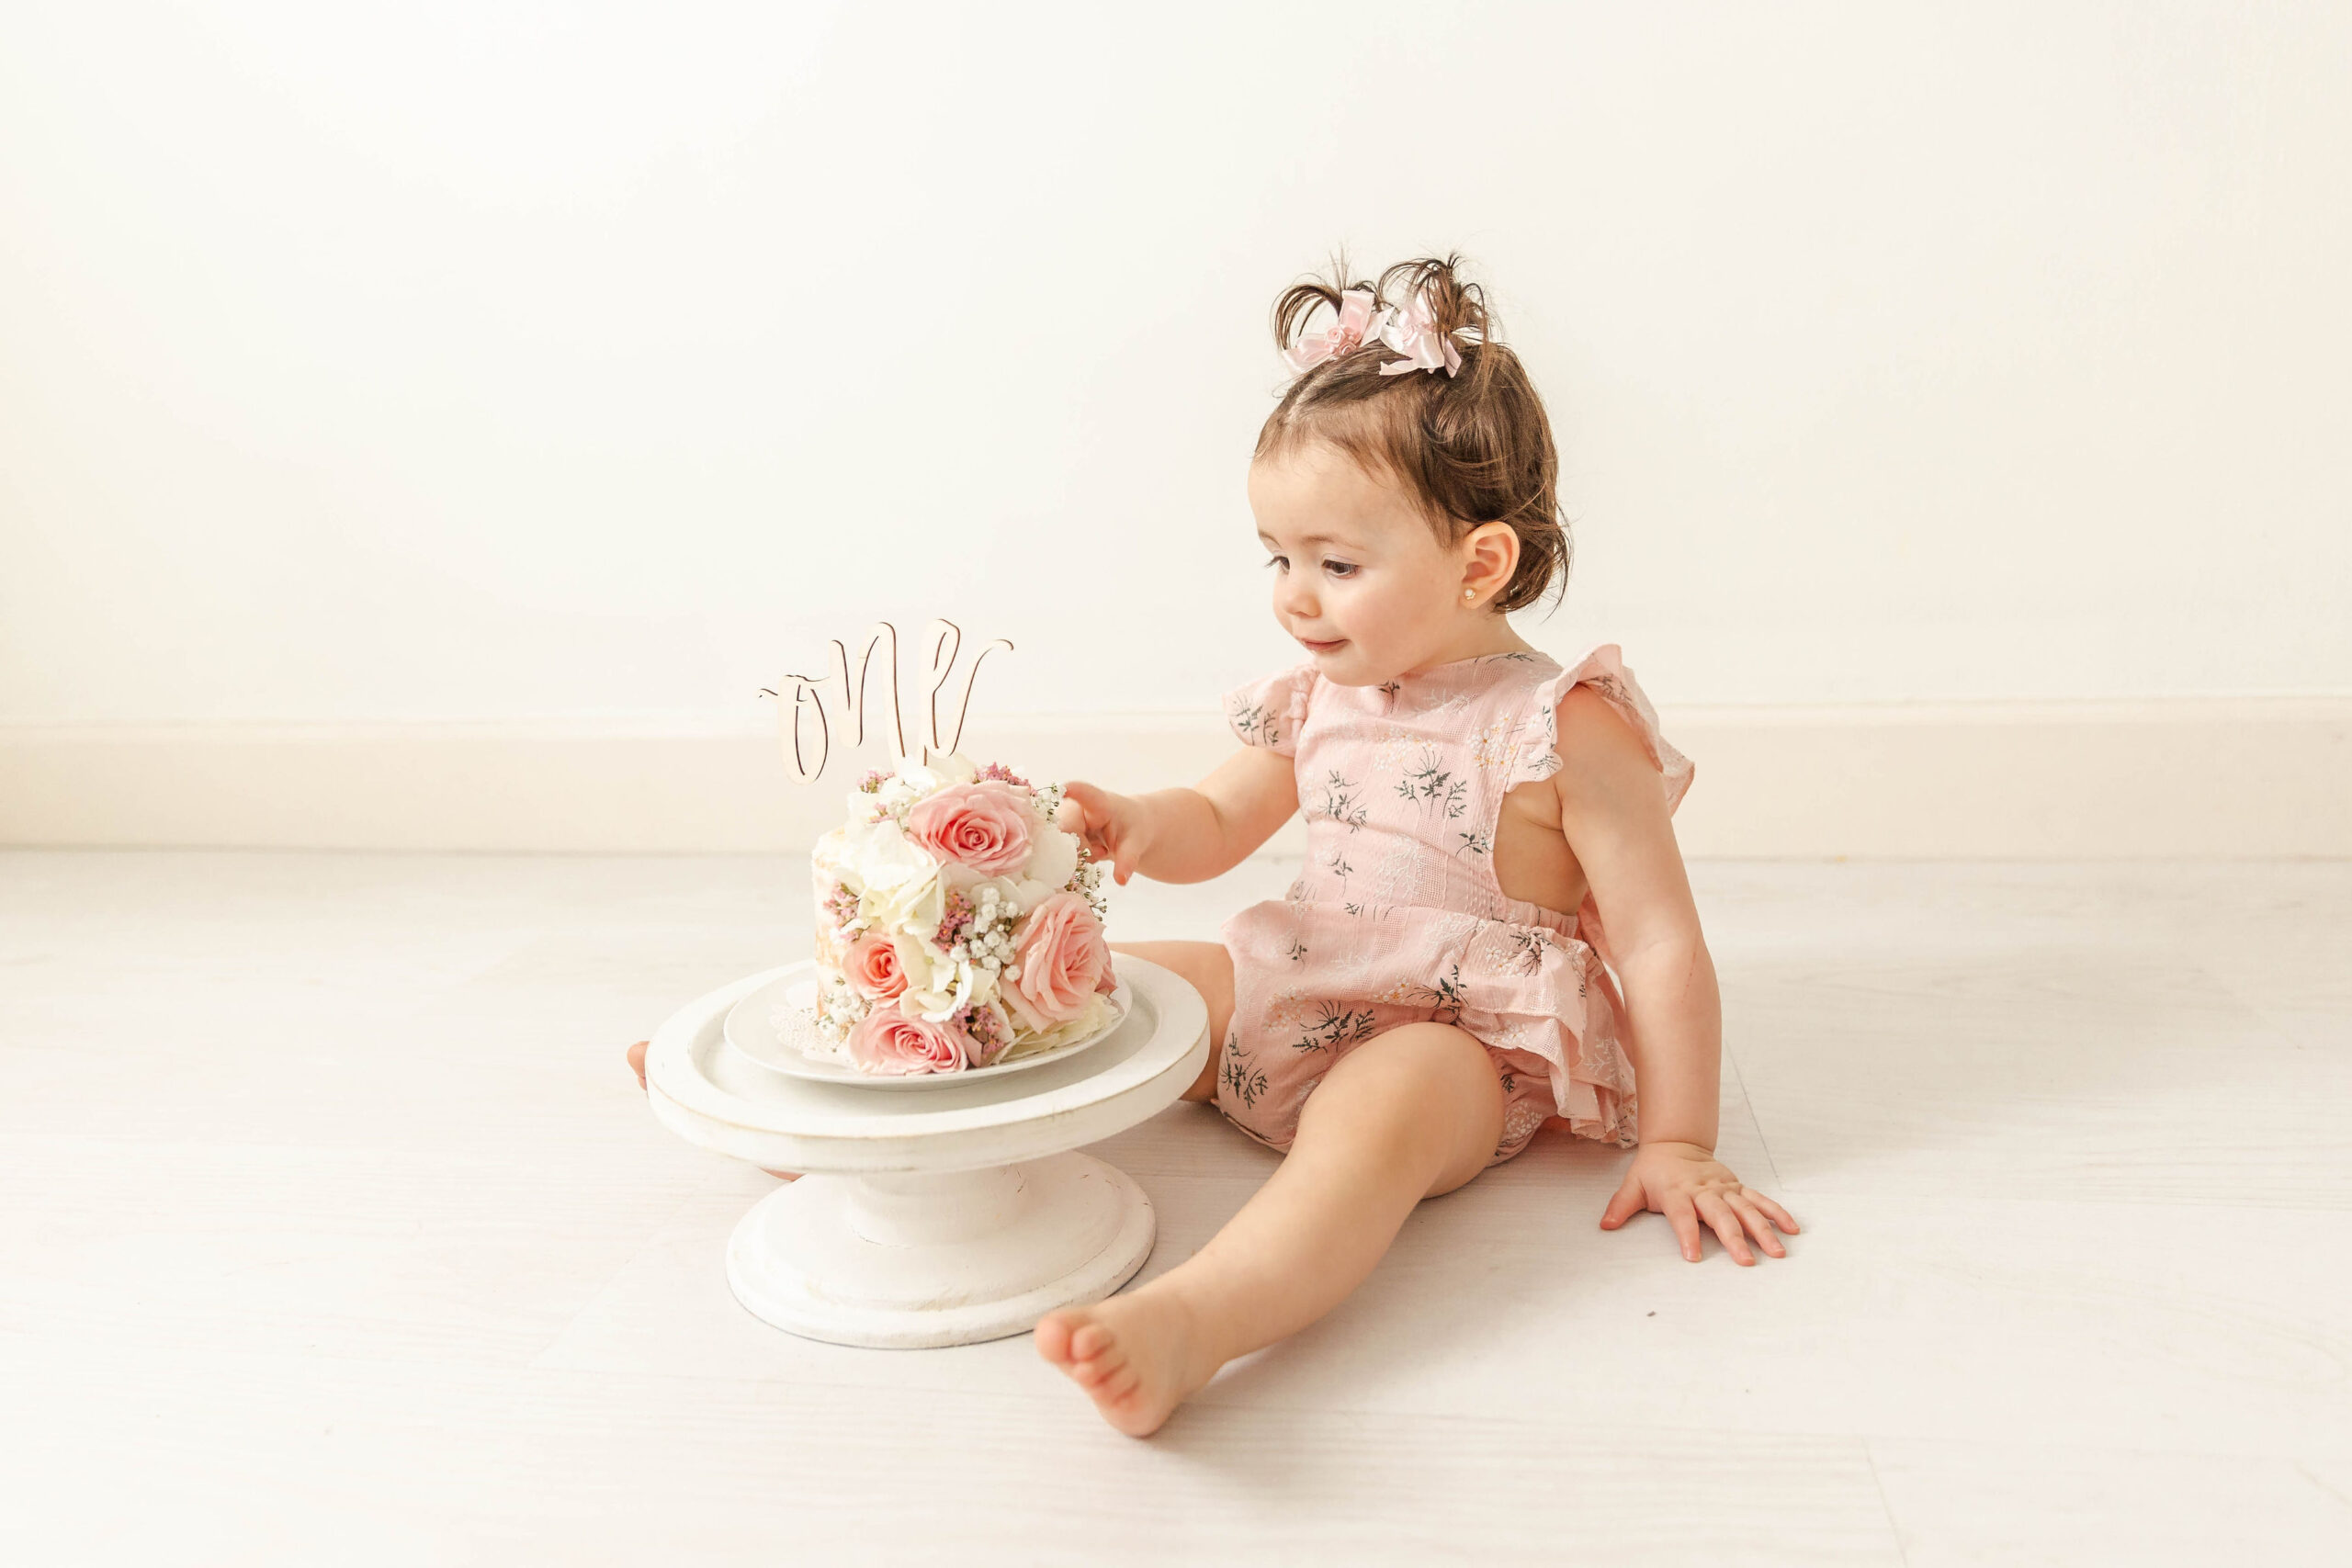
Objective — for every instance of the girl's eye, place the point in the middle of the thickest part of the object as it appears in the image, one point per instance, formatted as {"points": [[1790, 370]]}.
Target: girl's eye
{"points": [[1339, 568], [1276, 561]]}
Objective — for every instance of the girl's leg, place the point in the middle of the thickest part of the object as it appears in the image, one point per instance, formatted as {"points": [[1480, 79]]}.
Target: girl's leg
{"points": [[1210, 969], [1407, 1116]]}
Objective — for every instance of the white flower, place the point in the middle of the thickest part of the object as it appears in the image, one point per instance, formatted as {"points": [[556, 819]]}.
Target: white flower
{"points": [[912, 908], [1053, 856], [897, 883], [936, 985], [918, 960], [914, 780], [985, 892], [1028, 892], [884, 857], [1014, 896]]}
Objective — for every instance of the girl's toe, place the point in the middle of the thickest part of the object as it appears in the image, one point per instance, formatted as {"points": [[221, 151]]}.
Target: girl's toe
{"points": [[1053, 1338]]}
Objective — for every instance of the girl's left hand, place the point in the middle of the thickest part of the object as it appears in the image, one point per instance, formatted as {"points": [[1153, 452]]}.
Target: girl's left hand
{"points": [[1688, 1184]]}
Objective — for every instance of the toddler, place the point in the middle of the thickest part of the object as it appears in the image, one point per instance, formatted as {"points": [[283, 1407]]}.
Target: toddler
{"points": [[1437, 985]]}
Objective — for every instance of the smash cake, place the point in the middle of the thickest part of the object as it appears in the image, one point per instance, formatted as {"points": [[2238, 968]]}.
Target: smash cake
{"points": [[956, 926]]}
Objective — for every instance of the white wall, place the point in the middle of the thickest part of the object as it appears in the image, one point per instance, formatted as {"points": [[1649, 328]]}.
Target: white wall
{"points": [[473, 361]]}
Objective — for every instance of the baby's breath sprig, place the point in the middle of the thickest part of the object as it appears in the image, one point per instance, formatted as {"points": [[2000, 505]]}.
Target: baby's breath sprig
{"points": [[839, 1008], [1087, 881], [988, 940]]}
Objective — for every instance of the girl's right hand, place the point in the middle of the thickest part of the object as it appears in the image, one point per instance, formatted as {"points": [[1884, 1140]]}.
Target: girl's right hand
{"points": [[1114, 828]]}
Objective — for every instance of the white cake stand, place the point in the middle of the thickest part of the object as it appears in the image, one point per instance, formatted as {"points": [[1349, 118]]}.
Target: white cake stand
{"points": [[939, 1216]]}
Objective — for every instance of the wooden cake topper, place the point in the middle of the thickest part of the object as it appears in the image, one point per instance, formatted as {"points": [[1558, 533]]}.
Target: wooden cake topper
{"points": [[847, 697]]}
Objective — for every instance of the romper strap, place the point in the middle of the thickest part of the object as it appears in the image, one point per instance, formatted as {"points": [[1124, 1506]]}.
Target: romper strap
{"points": [[1604, 668]]}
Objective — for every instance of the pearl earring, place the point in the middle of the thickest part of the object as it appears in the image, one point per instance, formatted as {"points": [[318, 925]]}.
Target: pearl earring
{"points": [[1469, 593]]}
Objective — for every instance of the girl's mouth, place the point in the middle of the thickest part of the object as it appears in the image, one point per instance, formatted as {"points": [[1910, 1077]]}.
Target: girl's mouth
{"points": [[1311, 645]]}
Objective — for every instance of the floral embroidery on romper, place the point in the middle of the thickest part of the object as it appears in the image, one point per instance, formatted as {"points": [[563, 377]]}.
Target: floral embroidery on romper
{"points": [[1397, 916]]}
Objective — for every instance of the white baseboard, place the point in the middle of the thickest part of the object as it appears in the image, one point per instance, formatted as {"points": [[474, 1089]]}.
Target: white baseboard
{"points": [[2191, 777]]}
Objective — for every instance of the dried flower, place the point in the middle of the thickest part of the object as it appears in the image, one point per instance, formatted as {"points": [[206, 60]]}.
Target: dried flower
{"points": [[952, 925]]}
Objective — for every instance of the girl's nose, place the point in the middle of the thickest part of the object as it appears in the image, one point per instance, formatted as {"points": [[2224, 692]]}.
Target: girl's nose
{"points": [[1293, 597]]}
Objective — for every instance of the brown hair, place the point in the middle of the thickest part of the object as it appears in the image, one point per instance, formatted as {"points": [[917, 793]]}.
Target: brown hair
{"points": [[1472, 448]]}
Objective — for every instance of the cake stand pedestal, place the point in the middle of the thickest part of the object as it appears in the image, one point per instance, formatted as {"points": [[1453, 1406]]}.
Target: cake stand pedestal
{"points": [[940, 1215]]}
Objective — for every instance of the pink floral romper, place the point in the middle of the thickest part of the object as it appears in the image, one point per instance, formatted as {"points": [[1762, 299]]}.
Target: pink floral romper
{"points": [[1398, 919]]}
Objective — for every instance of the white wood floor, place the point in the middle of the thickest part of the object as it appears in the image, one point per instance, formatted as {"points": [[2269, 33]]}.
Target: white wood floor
{"points": [[333, 1230]]}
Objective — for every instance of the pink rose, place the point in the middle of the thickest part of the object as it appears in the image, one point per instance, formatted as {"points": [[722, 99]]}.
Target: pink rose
{"points": [[889, 1042], [985, 826], [1063, 961], [873, 967]]}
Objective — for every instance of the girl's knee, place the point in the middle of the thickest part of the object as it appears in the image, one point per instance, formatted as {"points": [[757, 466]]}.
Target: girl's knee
{"points": [[1427, 1085]]}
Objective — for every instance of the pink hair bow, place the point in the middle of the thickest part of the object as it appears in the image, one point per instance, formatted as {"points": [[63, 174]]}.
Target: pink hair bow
{"points": [[1356, 321], [1412, 331]]}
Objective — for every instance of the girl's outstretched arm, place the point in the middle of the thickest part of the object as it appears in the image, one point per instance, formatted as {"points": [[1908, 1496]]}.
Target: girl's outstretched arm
{"points": [[1186, 835], [1616, 820]]}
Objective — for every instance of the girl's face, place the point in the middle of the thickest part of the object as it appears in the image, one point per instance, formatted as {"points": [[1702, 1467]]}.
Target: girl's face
{"points": [[1360, 578]]}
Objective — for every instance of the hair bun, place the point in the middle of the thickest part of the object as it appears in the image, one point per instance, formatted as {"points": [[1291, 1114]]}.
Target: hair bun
{"points": [[1296, 308], [1457, 306], [1457, 309], [1471, 443]]}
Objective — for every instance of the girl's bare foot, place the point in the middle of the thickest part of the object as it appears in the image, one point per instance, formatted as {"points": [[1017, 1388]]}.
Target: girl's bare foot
{"points": [[636, 1065], [1136, 1357]]}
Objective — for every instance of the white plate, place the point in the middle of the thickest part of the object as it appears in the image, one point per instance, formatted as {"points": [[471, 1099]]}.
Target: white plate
{"points": [[752, 1035]]}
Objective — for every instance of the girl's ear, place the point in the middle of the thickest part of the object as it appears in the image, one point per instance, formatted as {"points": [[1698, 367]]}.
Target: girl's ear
{"points": [[1489, 557]]}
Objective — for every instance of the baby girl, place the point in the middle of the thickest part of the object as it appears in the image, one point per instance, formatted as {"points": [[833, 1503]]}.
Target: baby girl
{"points": [[1432, 989], [1437, 985]]}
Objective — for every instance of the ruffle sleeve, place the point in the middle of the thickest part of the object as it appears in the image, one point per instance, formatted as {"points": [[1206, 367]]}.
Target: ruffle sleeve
{"points": [[1602, 669], [1269, 712]]}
